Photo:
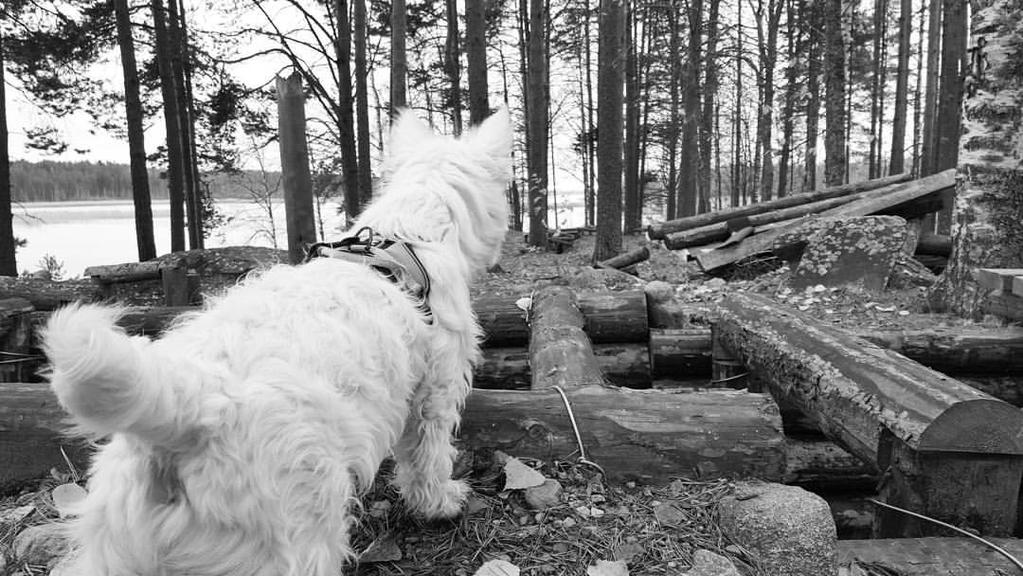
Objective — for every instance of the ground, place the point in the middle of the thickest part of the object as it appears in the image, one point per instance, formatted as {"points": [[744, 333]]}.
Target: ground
{"points": [[654, 530]]}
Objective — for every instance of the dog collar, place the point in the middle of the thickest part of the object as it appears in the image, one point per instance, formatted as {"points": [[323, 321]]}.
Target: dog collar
{"points": [[395, 259]]}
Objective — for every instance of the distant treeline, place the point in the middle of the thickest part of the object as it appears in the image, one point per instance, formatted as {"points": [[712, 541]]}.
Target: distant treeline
{"points": [[51, 181]]}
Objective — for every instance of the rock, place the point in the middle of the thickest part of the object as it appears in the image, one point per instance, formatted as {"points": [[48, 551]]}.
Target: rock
{"points": [[788, 529], [910, 273], [545, 495], [669, 514], [857, 251], [659, 291], [707, 563], [42, 545]]}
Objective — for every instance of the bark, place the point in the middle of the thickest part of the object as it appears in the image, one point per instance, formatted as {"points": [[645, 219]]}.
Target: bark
{"points": [[508, 368], [591, 148], [171, 114], [936, 434], [626, 259], [768, 59], [537, 117], [950, 97], [179, 56], [359, 32], [898, 156], [136, 136], [633, 212], [399, 57], [675, 73], [476, 60], [877, 81], [948, 556], [794, 40], [834, 101], [690, 193], [710, 87], [610, 79], [560, 353], [8, 262], [928, 156], [820, 465], [346, 112], [987, 227], [453, 66], [813, 101], [295, 178], [738, 188]]}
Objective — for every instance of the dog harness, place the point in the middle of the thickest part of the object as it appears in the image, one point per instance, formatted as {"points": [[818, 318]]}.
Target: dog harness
{"points": [[394, 259]]}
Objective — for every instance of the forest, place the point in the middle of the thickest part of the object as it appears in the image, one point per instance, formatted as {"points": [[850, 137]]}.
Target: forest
{"points": [[667, 107]]}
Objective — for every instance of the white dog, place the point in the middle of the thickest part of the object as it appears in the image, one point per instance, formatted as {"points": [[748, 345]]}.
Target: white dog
{"points": [[241, 439]]}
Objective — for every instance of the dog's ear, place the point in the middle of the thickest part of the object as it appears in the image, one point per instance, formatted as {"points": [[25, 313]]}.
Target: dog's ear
{"points": [[494, 135], [408, 134]]}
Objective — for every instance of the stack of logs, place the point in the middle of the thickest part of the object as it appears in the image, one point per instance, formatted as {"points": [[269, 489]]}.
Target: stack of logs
{"points": [[933, 436]]}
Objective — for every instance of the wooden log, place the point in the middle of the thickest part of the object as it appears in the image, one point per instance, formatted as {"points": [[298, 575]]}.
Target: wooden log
{"points": [[934, 245], [820, 465], [627, 259], [951, 452], [644, 435], [680, 352], [295, 178], [609, 317], [560, 353], [32, 427], [720, 231], [1004, 304], [658, 230], [16, 362], [947, 556], [726, 370], [48, 294], [508, 368], [929, 187], [128, 272], [997, 278]]}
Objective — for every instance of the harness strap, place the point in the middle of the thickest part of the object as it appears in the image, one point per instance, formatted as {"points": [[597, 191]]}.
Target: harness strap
{"points": [[395, 259]]}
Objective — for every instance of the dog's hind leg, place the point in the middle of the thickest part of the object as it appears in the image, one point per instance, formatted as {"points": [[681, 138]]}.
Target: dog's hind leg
{"points": [[425, 455]]}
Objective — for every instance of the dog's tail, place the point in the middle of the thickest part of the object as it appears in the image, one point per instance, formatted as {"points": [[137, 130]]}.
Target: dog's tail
{"points": [[109, 381]]}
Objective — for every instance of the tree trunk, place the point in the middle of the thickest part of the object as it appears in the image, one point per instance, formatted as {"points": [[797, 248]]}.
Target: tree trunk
{"points": [[928, 157], [346, 112], [8, 263], [189, 157], [399, 57], [476, 60], [295, 178], [794, 37], [813, 99], [591, 148], [950, 96], [690, 188], [453, 66], [918, 96], [768, 59], [365, 163], [987, 229], [633, 205], [610, 79], [737, 189], [898, 158], [171, 116], [675, 59], [834, 100], [710, 87], [537, 117], [875, 90], [136, 136]]}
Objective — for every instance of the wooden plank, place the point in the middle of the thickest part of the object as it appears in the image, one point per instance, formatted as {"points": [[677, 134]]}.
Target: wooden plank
{"points": [[938, 438], [560, 353], [945, 556], [643, 435], [998, 278], [658, 230], [765, 242], [1017, 286]]}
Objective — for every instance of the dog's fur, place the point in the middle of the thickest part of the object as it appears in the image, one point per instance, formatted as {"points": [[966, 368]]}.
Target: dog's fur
{"points": [[241, 439]]}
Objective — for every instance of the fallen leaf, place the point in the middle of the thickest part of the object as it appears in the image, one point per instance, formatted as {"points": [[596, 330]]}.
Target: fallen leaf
{"points": [[605, 568], [66, 497], [667, 514], [383, 549], [498, 568], [524, 303], [518, 476]]}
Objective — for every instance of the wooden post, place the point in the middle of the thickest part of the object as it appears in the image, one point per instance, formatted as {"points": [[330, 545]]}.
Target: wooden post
{"points": [[945, 449], [298, 187]]}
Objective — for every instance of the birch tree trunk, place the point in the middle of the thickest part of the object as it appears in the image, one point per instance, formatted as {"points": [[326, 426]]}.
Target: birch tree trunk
{"points": [[987, 226]]}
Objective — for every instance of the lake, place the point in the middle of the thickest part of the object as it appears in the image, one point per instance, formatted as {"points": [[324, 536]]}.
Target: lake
{"points": [[83, 234]]}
